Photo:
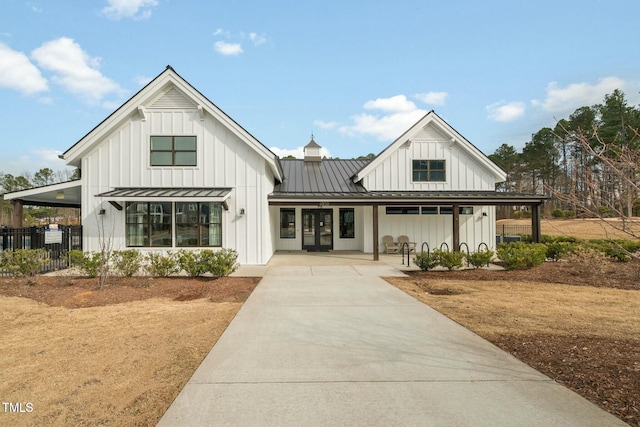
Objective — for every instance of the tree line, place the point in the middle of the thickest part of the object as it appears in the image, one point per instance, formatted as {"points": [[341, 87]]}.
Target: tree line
{"points": [[588, 164]]}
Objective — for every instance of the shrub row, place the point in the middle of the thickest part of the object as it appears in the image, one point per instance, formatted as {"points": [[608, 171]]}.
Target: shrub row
{"points": [[129, 262], [450, 260], [23, 262]]}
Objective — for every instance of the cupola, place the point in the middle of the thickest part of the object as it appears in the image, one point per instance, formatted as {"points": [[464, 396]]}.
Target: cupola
{"points": [[312, 151]]}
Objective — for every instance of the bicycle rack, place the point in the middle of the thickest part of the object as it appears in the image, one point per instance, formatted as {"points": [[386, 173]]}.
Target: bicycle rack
{"points": [[486, 248], [444, 244], [460, 250], [402, 249], [422, 248]]}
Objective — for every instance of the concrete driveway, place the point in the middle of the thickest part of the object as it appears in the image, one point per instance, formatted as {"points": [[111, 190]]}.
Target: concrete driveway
{"points": [[329, 343]]}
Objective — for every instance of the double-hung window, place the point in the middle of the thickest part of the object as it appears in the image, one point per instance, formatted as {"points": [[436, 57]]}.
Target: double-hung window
{"points": [[429, 171], [199, 224], [287, 223], [148, 224], [173, 151]]}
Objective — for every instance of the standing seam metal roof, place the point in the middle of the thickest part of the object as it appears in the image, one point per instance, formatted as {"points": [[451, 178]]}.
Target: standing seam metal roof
{"points": [[326, 176]]}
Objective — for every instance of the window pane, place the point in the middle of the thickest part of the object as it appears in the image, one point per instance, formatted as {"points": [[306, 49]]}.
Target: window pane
{"points": [[136, 213], [429, 210], [185, 158], [187, 235], [466, 210], [437, 164], [347, 223], [137, 235], [446, 210], [160, 235], [437, 176], [184, 143], [186, 213], [161, 143], [161, 158], [215, 235], [287, 223]]}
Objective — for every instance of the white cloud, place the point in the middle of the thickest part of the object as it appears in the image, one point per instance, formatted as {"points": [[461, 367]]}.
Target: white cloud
{"points": [[143, 80], [228, 49], [432, 98], [297, 152], [221, 32], [505, 112], [75, 70], [398, 103], [136, 9], [576, 95], [398, 115], [17, 72], [256, 39], [326, 125]]}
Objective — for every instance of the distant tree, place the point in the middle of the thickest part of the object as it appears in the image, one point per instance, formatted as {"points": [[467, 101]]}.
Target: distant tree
{"points": [[369, 156], [290, 156], [508, 159], [44, 176]]}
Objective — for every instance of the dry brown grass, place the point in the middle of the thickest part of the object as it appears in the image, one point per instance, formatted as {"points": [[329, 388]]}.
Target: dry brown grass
{"points": [[580, 228], [113, 365], [585, 337], [500, 307]]}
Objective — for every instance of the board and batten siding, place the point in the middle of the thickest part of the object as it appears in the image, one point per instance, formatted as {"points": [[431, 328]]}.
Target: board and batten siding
{"points": [[339, 244], [463, 171], [433, 229], [122, 159]]}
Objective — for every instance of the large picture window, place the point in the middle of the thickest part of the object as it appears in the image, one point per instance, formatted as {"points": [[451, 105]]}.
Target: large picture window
{"points": [[429, 170], [173, 151], [199, 224], [287, 223], [148, 224], [347, 223]]}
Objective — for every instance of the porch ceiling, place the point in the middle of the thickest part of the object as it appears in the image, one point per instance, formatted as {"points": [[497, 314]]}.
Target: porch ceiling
{"points": [[64, 194]]}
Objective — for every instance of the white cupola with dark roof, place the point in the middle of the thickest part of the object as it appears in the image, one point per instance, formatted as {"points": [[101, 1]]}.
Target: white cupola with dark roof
{"points": [[312, 151]]}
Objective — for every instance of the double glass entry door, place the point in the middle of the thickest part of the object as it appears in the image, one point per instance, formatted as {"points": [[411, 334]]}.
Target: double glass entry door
{"points": [[317, 229]]}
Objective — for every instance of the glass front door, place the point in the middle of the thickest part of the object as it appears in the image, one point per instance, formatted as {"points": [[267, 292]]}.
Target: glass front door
{"points": [[317, 229]]}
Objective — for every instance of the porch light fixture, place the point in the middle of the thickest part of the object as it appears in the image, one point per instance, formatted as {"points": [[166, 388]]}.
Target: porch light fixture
{"points": [[60, 195], [101, 212], [242, 211]]}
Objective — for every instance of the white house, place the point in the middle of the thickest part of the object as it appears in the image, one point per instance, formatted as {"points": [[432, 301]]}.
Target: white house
{"points": [[169, 170]]}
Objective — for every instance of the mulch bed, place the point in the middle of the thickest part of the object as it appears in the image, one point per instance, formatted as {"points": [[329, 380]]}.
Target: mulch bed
{"points": [[78, 292]]}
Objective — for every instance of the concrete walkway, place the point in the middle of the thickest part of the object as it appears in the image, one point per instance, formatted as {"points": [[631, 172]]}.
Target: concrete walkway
{"points": [[318, 344]]}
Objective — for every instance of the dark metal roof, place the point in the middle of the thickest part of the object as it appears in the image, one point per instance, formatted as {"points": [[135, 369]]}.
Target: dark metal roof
{"points": [[166, 192], [327, 176]]}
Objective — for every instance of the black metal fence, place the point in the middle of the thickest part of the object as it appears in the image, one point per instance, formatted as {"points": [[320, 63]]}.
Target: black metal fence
{"points": [[57, 241], [511, 233]]}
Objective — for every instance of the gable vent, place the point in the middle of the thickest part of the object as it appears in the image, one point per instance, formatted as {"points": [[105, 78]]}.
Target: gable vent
{"points": [[174, 99]]}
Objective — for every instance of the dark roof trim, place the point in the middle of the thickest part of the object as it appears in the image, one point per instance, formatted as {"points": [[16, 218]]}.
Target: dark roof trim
{"points": [[408, 198]]}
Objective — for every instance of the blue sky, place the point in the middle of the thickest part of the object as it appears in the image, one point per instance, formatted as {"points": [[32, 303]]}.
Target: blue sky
{"points": [[355, 73]]}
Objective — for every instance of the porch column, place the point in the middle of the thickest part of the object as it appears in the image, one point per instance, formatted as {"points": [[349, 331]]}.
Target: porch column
{"points": [[376, 238], [456, 228], [17, 213], [535, 223]]}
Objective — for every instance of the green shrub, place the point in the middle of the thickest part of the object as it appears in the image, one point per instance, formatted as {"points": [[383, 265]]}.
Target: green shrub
{"points": [[160, 265], [127, 262], [557, 249], [449, 260], [618, 249], [519, 255], [92, 263], [191, 262], [220, 263], [24, 262], [425, 260], [76, 258], [480, 258]]}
